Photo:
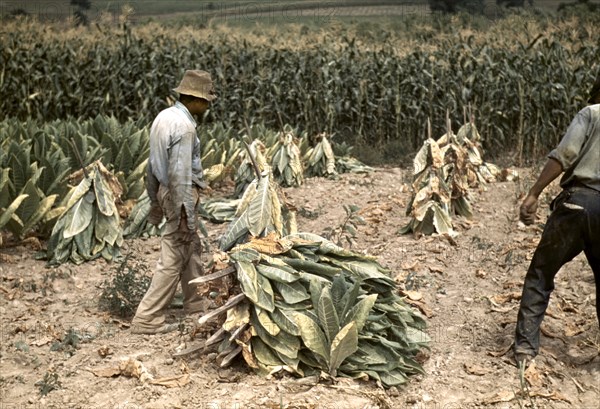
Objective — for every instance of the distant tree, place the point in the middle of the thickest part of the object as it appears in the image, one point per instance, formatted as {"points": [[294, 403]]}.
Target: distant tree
{"points": [[82, 4], [512, 3], [81, 19], [582, 5], [454, 6], [18, 12]]}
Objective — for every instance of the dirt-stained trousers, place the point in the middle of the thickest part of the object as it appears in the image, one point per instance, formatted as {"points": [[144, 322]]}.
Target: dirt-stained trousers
{"points": [[573, 227], [180, 260]]}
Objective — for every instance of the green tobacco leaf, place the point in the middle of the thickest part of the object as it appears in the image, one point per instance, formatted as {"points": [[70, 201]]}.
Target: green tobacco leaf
{"points": [[285, 320], [260, 208], [43, 208], [315, 288], [312, 267], [79, 216], [248, 278], [31, 204], [104, 197], [283, 343], [338, 290], [78, 192], [236, 230], [266, 298], [417, 337], [344, 344], [292, 293], [266, 322], [363, 269], [107, 228], [264, 354], [312, 335], [7, 213], [360, 311], [328, 318], [277, 274], [247, 255], [349, 300], [392, 378], [84, 241]]}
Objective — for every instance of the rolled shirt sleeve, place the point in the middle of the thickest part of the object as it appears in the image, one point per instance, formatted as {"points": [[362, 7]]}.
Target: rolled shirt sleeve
{"points": [[579, 150], [569, 147]]}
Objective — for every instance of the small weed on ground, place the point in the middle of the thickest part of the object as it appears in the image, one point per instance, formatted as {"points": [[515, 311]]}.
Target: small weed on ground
{"points": [[123, 291], [49, 383], [345, 231]]}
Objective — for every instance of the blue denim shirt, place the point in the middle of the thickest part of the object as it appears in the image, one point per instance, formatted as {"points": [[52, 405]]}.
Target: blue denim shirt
{"points": [[175, 159]]}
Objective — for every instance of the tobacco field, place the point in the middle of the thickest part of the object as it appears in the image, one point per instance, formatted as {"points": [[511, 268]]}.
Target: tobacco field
{"points": [[360, 228]]}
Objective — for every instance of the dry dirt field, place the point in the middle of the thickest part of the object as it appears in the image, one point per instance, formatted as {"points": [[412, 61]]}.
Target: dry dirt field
{"points": [[470, 288]]}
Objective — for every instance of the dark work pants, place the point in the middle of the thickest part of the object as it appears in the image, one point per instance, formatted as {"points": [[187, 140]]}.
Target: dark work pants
{"points": [[573, 227]]}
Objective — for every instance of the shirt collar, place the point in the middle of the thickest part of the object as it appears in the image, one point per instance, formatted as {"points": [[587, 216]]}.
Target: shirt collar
{"points": [[182, 107]]}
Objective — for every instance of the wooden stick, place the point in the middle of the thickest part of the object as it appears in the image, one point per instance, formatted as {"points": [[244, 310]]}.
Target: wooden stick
{"points": [[230, 356], [238, 332], [190, 350], [215, 338], [228, 305], [213, 276]]}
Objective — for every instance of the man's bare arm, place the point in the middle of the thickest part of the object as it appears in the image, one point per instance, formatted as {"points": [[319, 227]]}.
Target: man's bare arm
{"points": [[551, 171]]}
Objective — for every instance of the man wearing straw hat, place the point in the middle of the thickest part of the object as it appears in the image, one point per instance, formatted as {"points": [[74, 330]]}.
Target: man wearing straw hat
{"points": [[573, 226], [174, 180]]}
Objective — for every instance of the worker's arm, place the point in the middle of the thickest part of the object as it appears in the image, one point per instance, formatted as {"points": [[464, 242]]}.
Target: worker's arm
{"points": [[551, 171]]}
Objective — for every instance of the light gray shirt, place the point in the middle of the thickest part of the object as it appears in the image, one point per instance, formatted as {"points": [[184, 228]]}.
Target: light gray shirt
{"points": [[175, 159], [579, 150]]}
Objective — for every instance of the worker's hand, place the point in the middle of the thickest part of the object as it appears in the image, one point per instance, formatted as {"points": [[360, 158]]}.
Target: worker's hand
{"points": [[527, 212], [156, 214]]}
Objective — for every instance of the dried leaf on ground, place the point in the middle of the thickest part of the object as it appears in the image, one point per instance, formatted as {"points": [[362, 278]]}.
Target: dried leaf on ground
{"points": [[412, 295], [504, 298], [498, 397], [475, 369], [573, 329], [554, 395], [533, 376], [176, 381]]}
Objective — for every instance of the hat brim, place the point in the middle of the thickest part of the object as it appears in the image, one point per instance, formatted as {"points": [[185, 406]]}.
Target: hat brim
{"points": [[194, 93]]}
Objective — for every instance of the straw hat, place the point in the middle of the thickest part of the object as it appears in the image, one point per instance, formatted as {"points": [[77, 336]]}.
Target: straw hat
{"points": [[198, 84]]}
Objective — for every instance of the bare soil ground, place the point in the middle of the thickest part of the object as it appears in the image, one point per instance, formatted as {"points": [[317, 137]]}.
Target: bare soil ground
{"points": [[470, 288]]}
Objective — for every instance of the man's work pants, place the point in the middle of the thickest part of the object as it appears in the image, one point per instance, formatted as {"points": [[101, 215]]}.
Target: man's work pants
{"points": [[573, 227], [180, 260]]}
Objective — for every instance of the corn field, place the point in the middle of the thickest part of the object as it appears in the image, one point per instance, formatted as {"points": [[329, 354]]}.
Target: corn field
{"points": [[523, 90]]}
